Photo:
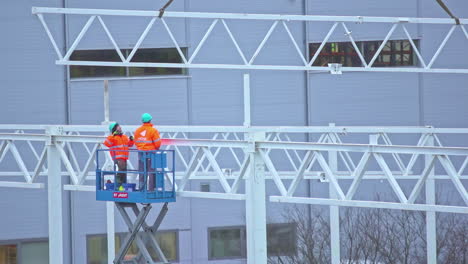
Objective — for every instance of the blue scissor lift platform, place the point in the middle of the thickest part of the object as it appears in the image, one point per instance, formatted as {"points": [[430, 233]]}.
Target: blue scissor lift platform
{"points": [[155, 184]]}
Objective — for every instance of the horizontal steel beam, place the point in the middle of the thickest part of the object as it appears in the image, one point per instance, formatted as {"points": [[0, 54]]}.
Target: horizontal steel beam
{"points": [[21, 174], [364, 148], [23, 137], [311, 18], [371, 204], [257, 67], [83, 188], [206, 143], [22, 127], [211, 195], [79, 138], [284, 175], [187, 194], [21, 185], [263, 145], [242, 129]]}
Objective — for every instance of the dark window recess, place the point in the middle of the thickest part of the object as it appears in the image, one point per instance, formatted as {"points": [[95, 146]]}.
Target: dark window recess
{"points": [[204, 187], [95, 71], [395, 53], [161, 55], [227, 243], [281, 239], [336, 52], [231, 242], [8, 254], [169, 55], [97, 247]]}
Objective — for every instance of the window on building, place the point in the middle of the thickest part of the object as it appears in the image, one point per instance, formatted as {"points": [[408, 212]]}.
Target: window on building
{"points": [[204, 187], [281, 239], [227, 243], [231, 242], [97, 247], [395, 53], [8, 254], [162, 55], [169, 243], [36, 252], [335, 52]]}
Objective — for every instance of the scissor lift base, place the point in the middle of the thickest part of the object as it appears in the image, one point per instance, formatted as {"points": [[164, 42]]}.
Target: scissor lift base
{"points": [[141, 237]]}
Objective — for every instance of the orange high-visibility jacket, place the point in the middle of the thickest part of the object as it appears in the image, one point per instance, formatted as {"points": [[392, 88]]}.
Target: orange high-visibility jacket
{"points": [[147, 137], [118, 144]]}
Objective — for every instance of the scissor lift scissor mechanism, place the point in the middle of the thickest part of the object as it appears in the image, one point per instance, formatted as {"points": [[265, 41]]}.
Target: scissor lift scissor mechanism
{"points": [[153, 164]]}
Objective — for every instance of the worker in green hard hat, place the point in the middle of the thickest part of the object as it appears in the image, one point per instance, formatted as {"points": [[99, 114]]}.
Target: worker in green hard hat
{"points": [[119, 143], [147, 138]]}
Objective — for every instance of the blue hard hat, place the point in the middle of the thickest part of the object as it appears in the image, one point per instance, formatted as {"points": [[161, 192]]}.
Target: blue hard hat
{"points": [[145, 118]]}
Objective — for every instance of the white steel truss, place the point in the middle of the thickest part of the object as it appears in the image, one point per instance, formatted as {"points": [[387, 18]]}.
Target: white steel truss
{"points": [[218, 19], [206, 159], [235, 158]]}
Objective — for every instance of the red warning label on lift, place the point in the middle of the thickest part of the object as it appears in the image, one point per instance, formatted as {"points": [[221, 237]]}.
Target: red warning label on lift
{"points": [[120, 195]]}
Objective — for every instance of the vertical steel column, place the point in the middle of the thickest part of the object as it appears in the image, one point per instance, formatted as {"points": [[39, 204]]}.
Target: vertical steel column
{"points": [[334, 210], [106, 102], [54, 201], [110, 232], [247, 115], [255, 204], [431, 235]]}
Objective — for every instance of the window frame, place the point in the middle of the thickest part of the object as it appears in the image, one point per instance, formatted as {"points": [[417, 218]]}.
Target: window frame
{"points": [[362, 46]]}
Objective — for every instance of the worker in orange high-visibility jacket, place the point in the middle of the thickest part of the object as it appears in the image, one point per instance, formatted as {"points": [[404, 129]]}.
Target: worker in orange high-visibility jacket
{"points": [[119, 143], [146, 139]]}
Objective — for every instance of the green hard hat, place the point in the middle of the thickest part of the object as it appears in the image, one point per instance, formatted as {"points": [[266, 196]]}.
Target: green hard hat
{"points": [[111, 126], [145, 118]]}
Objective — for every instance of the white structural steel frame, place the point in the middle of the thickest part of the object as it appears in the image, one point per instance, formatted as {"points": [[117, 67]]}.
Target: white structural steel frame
{"points": [[250, 147], [425, 66], [253, 149]]}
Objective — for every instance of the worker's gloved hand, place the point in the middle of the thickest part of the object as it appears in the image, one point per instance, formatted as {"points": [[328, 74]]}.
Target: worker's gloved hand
{"points": [[131, 138]]}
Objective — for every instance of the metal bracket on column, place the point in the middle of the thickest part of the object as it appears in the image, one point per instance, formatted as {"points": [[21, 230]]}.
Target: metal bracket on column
{"points": [[147, 236]]}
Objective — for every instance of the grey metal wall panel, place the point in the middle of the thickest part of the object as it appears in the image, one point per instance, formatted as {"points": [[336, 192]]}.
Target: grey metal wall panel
{"points": [[32, 87], [165, 99], [399, 8], [32, 91], [444, 96], [140, 5], [246, 6], [27, 214], [364, 98], [279, 98], [445, 100], [216, 97], [125, 30]]}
